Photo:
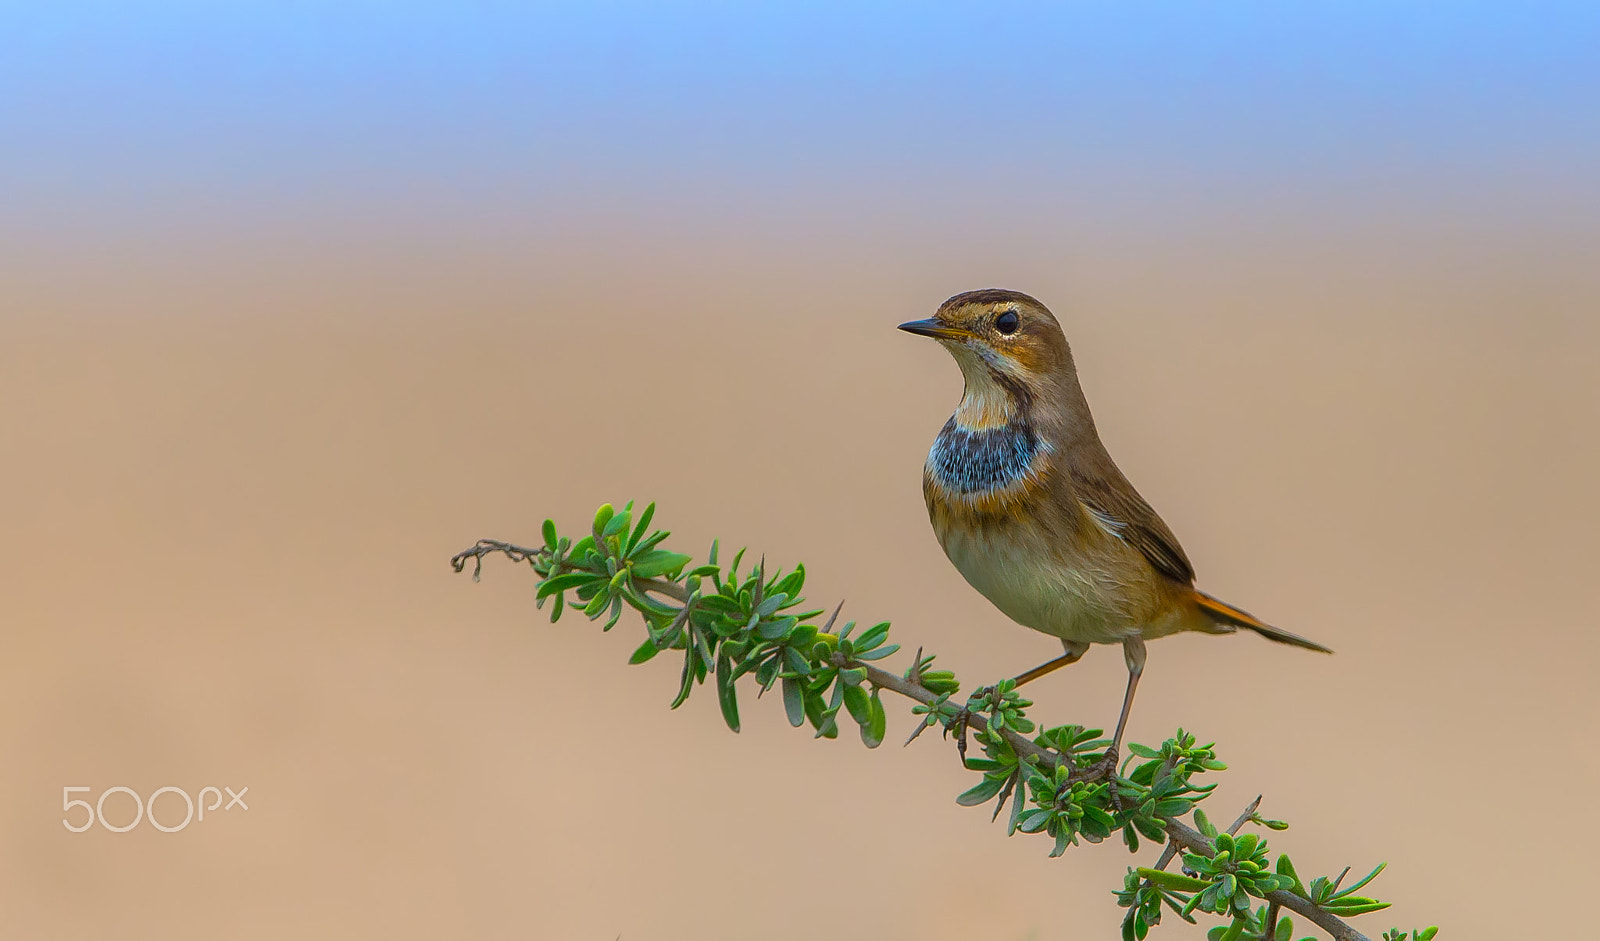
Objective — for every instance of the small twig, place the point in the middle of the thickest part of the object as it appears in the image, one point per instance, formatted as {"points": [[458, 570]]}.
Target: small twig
{"points": [[1168, 854], [1244, 818], [513, 552]]}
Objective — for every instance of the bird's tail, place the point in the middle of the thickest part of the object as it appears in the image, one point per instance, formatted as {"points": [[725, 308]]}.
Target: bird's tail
{"points": [[1224, 613]]}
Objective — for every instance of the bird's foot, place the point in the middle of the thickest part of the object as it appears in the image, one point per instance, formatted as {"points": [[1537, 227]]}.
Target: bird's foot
{"points": [[958, 725], [1106, 766], [958, 728], [1106, 770]]}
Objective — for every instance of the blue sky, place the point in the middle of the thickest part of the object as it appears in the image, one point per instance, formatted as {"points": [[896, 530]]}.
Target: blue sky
{"points": [[116, 102]]}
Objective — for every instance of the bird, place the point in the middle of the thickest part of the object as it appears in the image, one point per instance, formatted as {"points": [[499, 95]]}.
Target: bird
{"points": [[1033, 512]]}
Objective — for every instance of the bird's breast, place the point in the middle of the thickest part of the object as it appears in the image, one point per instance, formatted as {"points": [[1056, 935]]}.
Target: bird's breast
{"points": [[1022, 569], [1024, 542], [979, 462]]}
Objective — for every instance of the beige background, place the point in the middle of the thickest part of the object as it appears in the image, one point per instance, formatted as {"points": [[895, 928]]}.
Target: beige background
{"points": [[238, 457]]}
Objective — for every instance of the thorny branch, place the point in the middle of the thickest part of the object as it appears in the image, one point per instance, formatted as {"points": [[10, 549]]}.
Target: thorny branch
{"points": [[1181, 835]]}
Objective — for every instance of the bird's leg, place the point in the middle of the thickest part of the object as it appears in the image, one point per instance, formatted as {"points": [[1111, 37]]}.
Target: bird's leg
{"points": [[1133, 653], [1074, 653]]}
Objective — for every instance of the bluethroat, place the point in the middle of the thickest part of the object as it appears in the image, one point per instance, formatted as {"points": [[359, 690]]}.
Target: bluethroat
{"points": [[1033, 512]]}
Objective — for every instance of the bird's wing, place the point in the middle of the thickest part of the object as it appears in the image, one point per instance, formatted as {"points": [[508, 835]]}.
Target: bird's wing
{"points": [[1120, 511]]}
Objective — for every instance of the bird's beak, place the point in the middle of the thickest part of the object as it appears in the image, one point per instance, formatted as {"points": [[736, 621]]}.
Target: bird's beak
{"points": [[935, 329]]}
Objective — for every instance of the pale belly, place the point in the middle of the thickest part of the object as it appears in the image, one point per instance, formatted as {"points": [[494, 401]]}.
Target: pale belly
{"points": [[1075, 602]]}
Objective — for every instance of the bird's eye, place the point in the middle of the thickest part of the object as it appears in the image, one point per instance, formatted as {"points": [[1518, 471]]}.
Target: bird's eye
{"points": [[1007, 322]]}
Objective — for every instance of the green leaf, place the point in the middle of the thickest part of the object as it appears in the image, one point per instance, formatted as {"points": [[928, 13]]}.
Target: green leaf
{"points": [[602, 516], [649, 542], [658, 562], [1034, 820], [1286, 868], [981, 792], [873, 729], [792, 583], [1354, 906], [641, 528], [794, 703], [646, 650], [877, 654], [550, 534], [686, 679], [1143, 751], [874, 636], [562, 582], [855, 699], [616, 525], [1016, 808], [580, 550], [1247, 846], [772, 630], [814, 707], [1369, 877], [796, 661], [1150, 828], [727, 696], [1173, 880], [1174, 807]]}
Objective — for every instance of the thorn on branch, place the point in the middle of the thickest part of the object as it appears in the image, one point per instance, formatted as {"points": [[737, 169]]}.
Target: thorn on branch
{"points": [[828, 627], [1244, 818], [921, 727]]}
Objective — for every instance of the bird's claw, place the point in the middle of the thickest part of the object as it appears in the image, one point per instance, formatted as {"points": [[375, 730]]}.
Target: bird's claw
{"points": [[963, 718], [958, 727], [1106, 770]]}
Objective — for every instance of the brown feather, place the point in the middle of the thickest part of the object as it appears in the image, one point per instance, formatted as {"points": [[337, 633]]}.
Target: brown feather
{"points": [[1109, 495]]}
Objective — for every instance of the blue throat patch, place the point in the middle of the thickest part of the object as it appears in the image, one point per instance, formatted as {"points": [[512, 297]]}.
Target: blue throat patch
{"points": [[980, 461]]}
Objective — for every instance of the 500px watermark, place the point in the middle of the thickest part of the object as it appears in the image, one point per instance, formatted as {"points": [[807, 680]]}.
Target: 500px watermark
{"points": [[146, 809]]}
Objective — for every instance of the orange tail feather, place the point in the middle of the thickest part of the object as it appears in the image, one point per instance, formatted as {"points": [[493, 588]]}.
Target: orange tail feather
{"points": [[1224, 613]]}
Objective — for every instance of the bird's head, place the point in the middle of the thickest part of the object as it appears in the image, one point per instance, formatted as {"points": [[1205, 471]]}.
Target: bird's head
{"points": [[1010, 349]]}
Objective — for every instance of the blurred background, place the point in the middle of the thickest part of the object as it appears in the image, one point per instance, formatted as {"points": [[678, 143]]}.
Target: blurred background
{"points": [[297, 300]]}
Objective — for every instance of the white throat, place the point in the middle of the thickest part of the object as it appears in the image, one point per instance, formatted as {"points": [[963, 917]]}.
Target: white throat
{"points": [[985, 403]]}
